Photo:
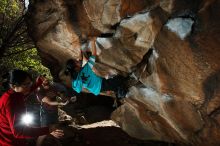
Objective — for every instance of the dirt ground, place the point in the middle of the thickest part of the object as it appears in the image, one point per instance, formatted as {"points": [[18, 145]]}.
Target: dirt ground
{"points": [[99, 136], [87, 123]]}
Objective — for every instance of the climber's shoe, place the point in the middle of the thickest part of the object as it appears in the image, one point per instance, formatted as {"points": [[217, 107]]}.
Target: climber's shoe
{"points": [[121, 93]]}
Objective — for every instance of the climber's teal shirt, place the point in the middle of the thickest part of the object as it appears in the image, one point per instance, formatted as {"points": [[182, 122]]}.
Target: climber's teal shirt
{"points": [[86, 78]]}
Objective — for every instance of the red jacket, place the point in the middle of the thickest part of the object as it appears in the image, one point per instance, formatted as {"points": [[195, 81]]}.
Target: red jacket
{"points": [[12, 131]]}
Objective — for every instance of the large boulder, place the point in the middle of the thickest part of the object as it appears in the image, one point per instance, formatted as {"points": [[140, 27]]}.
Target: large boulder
{"points": [[170, 47]]}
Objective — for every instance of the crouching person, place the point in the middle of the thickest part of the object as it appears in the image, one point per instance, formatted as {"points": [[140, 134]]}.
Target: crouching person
{"points": [[12, 109], [47, 94]]}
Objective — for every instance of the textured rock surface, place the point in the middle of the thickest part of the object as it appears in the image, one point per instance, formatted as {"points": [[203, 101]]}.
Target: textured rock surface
{"points": [[170, 46]]}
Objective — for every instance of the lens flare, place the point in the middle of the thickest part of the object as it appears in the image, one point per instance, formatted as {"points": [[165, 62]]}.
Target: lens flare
{"points": [[27, 119]]}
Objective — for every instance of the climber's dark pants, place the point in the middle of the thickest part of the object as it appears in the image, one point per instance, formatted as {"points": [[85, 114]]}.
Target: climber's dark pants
{"points": [[115, 84]]}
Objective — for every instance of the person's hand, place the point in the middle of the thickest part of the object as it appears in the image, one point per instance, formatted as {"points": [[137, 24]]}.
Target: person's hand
{"points": [[41, 78], [64, 103], [57, 133]]}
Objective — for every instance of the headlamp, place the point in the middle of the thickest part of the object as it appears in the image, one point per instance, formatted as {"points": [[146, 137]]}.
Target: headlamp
{"points": [[27, 119]]}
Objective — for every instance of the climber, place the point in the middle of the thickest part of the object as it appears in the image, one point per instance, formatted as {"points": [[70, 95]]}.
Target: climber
{"points": [[48, 95], [83, 77], [14, 131]]}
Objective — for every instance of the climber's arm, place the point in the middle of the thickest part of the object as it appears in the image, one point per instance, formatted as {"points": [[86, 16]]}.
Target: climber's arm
{"points": [[93, 46]]}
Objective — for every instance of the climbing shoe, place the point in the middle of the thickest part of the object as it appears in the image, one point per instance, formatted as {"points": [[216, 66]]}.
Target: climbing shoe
{"points": [[121, 93]]}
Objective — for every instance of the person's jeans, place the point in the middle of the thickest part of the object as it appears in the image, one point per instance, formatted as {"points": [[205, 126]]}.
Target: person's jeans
{"points": [[34, 109], [48, 117]]}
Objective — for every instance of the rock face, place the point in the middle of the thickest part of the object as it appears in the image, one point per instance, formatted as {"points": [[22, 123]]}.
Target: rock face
{"points": [[170, 46]]}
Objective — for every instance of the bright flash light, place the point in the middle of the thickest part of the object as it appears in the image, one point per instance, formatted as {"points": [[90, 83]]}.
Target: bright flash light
{"points": [[27, 119]]}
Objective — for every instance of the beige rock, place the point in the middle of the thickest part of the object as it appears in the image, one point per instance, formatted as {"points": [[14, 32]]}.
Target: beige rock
{"points": [[176, 98]]}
